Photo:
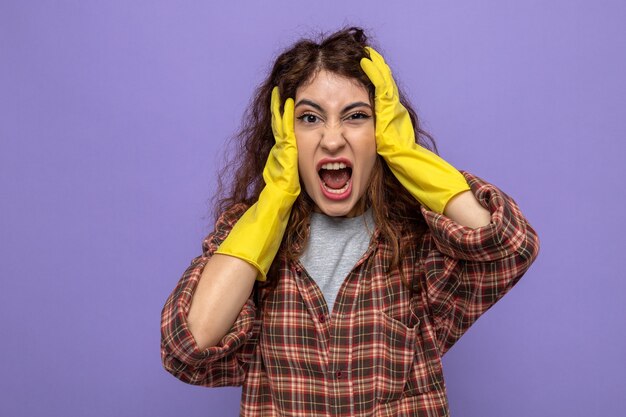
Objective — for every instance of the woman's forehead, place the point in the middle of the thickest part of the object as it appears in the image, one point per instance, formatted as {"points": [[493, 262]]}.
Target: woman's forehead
{"points": [[329, 86]]}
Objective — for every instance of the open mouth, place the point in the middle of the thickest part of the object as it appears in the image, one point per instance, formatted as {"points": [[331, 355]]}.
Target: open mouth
{"points": [[335, 177]]}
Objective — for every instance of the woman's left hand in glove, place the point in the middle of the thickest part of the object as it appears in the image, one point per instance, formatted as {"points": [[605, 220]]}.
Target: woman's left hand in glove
{"points": [[430, 179]]}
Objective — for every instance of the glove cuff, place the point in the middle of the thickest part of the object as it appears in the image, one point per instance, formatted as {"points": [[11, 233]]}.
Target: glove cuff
{"points": [[257, 235], [429, 178]]}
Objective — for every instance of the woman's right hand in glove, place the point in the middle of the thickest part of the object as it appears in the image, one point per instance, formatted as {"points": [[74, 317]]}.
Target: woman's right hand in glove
{"points": [[257, 235]]}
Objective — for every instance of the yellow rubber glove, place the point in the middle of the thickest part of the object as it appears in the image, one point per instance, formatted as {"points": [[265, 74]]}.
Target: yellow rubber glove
{"points": [[430, 179], [256, 236]]}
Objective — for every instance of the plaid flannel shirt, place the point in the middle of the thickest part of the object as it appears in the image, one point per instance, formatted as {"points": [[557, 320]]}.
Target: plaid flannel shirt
{"points": [[379, 352]]}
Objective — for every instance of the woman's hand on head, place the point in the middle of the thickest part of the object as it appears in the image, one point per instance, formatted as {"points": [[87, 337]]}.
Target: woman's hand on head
{"points": [[256, 236], [393, 123], [430, 179], [281, 168]]}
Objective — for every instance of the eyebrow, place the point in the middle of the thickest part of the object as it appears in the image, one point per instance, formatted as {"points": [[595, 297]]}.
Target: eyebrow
{"points": [[321, 110]]}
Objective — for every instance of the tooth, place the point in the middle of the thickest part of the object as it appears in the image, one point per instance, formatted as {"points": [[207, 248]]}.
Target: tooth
{"points": [[334, 165]]}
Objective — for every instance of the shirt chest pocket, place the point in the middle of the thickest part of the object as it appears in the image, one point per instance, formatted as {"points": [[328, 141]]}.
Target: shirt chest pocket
{"points": [[407, 360]]}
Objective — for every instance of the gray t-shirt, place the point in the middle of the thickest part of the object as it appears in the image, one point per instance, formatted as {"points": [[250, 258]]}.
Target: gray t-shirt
{"points": [[335, 245]]}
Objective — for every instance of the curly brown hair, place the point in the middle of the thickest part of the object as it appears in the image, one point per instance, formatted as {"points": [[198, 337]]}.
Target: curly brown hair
{"points": [[394, 210]]}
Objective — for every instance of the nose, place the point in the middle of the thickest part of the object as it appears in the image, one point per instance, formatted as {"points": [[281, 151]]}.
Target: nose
{"points": [[333, 139]]}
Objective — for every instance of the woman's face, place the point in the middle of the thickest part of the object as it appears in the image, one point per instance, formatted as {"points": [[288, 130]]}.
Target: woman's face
{"points": [[336, 141]]}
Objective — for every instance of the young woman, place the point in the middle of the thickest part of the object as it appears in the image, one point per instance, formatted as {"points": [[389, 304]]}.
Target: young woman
{"points": [[347, 258]]}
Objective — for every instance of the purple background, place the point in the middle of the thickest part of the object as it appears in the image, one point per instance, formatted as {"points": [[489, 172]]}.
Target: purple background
{"points": [[113, 116]]}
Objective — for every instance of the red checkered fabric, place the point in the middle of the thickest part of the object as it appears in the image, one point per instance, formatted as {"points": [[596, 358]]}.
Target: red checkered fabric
{"points": [[379, 353]]}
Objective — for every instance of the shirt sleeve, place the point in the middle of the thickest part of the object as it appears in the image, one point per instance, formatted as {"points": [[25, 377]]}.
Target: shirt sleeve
{"points": [[469, 270], [224, 364]]}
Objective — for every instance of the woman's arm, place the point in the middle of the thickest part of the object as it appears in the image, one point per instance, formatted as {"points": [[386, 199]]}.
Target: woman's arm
{"points": [[249, 248], [208, 322], [225, 285], [224, 363], [467, 270], [465, 210]]}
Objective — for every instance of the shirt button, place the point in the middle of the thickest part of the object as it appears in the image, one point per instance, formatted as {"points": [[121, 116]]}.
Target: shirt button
{"points": [[339, 374], [322, 318]]}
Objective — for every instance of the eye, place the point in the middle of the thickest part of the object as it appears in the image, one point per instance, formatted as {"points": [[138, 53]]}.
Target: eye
{"points": [[359, 116], [308, 118]]}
